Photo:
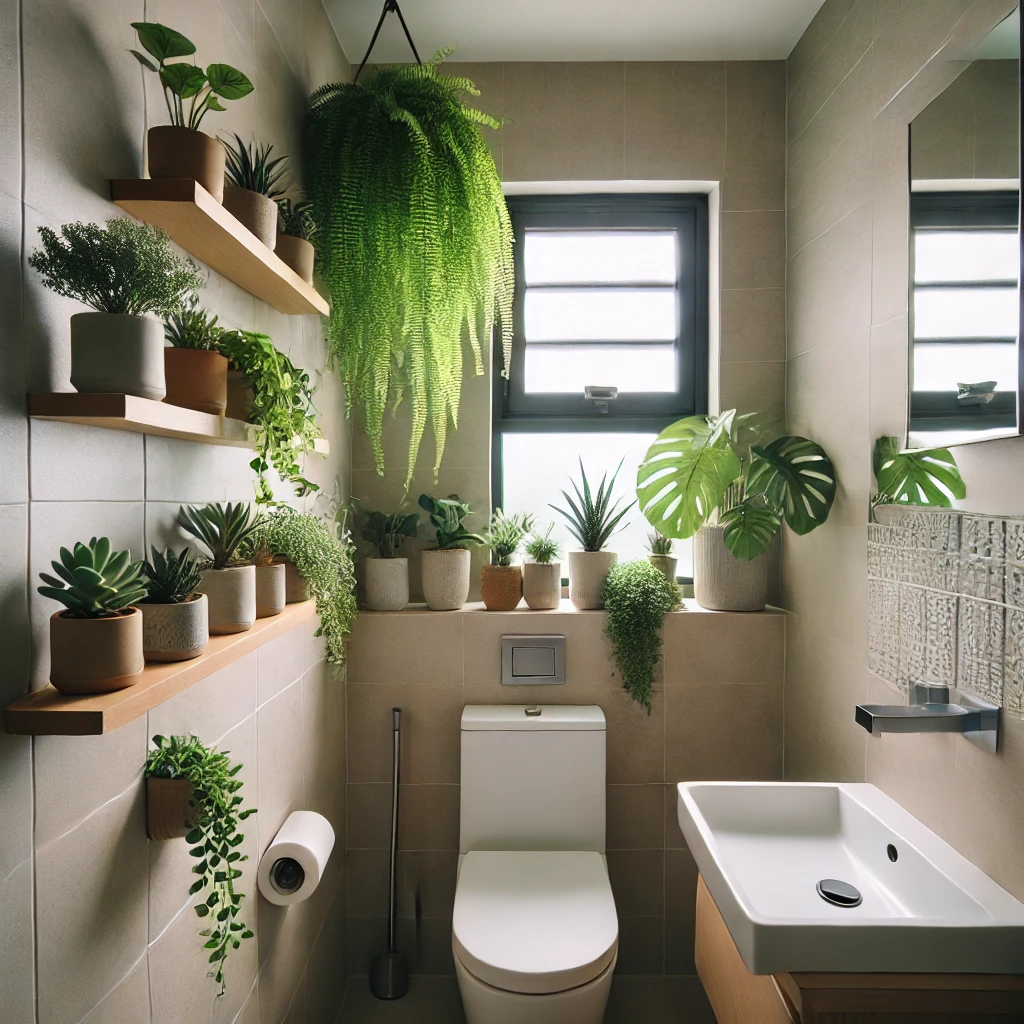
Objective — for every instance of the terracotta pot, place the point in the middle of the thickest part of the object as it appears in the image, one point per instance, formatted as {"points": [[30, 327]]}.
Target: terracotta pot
{"points": [[254, 211], [501, 587], [665, 564], [542, 585], [445, 578], [96, 655], [270, 590], [387, 584], [175, 632], [723, 582], [167, 808], [196, 379], [587, 572], [296, 589], [176, 152], [239, 396], [297, 253], [112, 353], [232, 596]]}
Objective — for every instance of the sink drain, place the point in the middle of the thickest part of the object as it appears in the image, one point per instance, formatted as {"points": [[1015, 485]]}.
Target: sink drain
{"points": [[839, 894]]}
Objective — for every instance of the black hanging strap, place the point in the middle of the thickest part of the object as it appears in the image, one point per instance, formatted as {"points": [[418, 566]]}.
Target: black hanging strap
{"points": [[389, 7]]}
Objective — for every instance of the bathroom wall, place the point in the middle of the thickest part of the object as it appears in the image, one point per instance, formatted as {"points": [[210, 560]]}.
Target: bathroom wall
{"points": [[95, 923], [862, 71]]}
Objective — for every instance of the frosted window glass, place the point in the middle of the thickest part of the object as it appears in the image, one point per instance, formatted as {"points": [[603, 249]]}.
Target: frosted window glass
{"points": [[965, 256], [942, 367], [570, 368], [965, 313], [601, 257], [591, 314]]}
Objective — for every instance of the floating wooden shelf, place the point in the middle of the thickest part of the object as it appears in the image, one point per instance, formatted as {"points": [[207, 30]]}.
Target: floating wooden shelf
{"points": [[47, 712], [202, 227]]}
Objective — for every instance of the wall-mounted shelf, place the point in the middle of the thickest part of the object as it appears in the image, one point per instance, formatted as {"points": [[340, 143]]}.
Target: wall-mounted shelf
{"points": [[47, 712], [202, 227]]}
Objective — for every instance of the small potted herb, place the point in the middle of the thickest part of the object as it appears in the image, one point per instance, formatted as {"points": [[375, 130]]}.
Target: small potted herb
{"points": [[501, 582], [387, 576], [123, 272], [542, 572], [445, 569], [175, 616], [195, 371], [180, 149], [592, 520], [228, 582], [661, 556], [271, 575], [96, 642], [252, 183], [296, 233]]}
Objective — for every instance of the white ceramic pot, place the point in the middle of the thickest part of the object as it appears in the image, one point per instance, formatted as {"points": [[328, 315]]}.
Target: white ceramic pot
{"points": [[445, 578], [665, 564], [232, 596], [270, 590], [387, 584], [114, 353], [542, 585], [175, 632], [587, 572], [723, 582]]}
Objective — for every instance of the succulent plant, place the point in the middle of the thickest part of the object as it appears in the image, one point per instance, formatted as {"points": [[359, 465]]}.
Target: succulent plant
{"points": [[250, 166], [592, 519], [505, 533], [543, 549], [659, 544], [171, 577], [193, 327], [221, 528], [296, 218], [94, 582]]}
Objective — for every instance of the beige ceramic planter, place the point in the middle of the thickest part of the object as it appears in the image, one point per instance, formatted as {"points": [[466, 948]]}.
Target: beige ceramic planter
{"points": [[177, 152], [542, 585], [723, 582], [297, 253], [196, 379], [445, 578], [296, 589], [587, 572], [112, 353], [232, 596], [501, 587], [271, 590], [665, 564], [175, 632], [387, 584], [254, 211], [96, 655]]}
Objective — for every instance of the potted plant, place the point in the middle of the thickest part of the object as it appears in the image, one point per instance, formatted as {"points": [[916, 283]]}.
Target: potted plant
{"points": [[195, 371], [271, 575], [729, 482], [387, 576], [180, 149], [96, 642], [228, 582], [175, 616], [542, 573], [661, 556], [445, 569], [592, 521], [252, 181], [501, 582], [296, 233], [123, 272], [214, 811]]}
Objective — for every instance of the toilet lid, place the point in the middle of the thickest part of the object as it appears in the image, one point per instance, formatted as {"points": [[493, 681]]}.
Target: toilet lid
{"points": [[534, 921]]}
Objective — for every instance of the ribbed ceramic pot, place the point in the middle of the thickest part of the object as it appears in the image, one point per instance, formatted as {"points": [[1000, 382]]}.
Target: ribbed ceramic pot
{"points": [[445, 578], [271, 590], [665, 564], [296, 589], [297, 253], [112, 353], [254, 211], [178, 152], [239, 396], [387, 584], [96, 655], [232, 597], [501, 587], [542, 585], [723, 582], [587, 572], [196, 379], [175, 632]]}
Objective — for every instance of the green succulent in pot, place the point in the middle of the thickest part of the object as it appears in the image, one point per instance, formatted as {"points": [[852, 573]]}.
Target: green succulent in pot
{"points": [[542, 572], [175, 616], [253, 181], [661, 556], [445, 570], [196, 373], [296, 235]]}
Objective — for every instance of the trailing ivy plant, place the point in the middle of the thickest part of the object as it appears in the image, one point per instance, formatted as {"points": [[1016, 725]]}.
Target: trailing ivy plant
{"points": [[637, 596], [215, 808], [414, 244], [915, 478]]}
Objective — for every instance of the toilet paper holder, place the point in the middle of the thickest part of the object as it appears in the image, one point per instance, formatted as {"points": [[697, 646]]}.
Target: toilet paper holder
{"points": [[295, 861]]}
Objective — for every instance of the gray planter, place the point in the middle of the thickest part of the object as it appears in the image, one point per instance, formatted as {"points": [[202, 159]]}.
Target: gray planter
{"points": [[175, 632], [587, 572], [723, 582], [542, 585], [232, 594], [387, 584], [115, 354], [270, 590], [445, 578]]}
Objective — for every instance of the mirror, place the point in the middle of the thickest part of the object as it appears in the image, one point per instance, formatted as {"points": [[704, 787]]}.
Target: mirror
{"points": [[965, 252]]}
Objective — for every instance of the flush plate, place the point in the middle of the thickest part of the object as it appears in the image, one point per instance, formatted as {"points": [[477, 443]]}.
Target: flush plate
{"points": [[532, 660]]}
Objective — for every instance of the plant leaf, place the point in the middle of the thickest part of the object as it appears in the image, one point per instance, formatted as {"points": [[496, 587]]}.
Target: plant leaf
{"points": [[144, 60], [163, 42], [749, 528], [228, 82], [796, 476], [917, 478], [183, 80]]}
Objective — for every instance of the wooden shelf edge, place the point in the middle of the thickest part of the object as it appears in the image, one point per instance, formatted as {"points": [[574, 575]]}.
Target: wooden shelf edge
{"points": [[47, 712]]}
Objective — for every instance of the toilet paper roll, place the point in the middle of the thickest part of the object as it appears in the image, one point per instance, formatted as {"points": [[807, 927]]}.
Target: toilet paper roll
{"points": [[293, 864]]}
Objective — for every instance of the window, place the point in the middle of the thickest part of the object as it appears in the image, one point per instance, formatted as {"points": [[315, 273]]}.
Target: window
{"points": [[611, 293]]}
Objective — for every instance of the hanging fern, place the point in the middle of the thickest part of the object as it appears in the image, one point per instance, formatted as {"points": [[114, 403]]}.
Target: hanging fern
{"points": [[415, 242]]}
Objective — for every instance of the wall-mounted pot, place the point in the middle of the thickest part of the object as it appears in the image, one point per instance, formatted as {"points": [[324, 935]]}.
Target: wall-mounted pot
{"points": [[175, 632], [178, 152], [445, 577], [723, 582], [196, 379], [97, 655], [232, 596], [271, 590], [587, 572], [167, 808], [542, 585], [297, 253], [387, 584], [113, 353], [254, 211], [501, 587]]}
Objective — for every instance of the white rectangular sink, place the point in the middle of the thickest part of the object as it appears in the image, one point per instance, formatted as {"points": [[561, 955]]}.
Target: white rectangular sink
{"points": [[763, 847]]}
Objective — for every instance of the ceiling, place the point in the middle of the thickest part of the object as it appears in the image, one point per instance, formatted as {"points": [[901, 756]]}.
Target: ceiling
{"points": [[577, 30]]}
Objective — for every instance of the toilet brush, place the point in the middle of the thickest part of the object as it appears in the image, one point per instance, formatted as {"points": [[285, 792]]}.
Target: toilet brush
{"points": [[389, 976]]}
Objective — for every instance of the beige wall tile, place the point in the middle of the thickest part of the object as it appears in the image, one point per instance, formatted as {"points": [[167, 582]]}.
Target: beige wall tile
{"points": [[753, 248], [369, 816], [326, 975], [818, 35], [278, 663], [413, 647], [282, 954], [17, 952], [724, 647], [366, 874], [753, 325], [429, 818], [636, 817], [755, 387], [279, 779]]}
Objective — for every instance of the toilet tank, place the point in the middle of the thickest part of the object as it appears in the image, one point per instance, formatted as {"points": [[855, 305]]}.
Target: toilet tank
{"points": [[533, 782]]}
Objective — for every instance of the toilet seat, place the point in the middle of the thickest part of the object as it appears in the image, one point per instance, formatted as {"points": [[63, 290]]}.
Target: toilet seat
{"points": [[534, 922]]}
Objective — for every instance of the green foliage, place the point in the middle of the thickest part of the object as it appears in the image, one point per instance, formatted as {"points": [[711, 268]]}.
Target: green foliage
{"points": [[387, 532], [221, 528], [194, 328], [446, 515], [172, 577], [541, 548], [505, 534], [750, 527], [93, 582], [216, 810], [916, 478], [183, 81], [658, 544], [415, 242], [296, 219], [592, 519], [126, 268], [250, 166], [637, 597], [795, 475]]}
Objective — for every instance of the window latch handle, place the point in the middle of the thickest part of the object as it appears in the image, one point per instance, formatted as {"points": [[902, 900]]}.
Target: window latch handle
{"points": [[600, 396]]}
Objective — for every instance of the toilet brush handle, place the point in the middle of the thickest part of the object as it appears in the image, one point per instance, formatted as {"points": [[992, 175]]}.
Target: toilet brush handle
{"points": [[396, 757]]}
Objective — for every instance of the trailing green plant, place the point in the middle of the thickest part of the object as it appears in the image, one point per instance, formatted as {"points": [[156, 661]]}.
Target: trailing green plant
{"points": [[215, 811], [446, 516], [171, 577], [193, 328], [125, 267], [415, 242], [250, 166], [658, 544], [505, 533], [220, 528], [295, 218], [387, 531], [592, 519], [541, 548], [183, 81], [915, 478], [637, 596], [93, 582]]}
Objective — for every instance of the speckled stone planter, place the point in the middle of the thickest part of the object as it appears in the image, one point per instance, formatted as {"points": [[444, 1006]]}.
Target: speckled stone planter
{"points": [[542, 585], [175, 632], [587, 572], [96, 655], [721, 581], [232, 595], [445, 578], [254, 211], [271, 590], [387, 584]]}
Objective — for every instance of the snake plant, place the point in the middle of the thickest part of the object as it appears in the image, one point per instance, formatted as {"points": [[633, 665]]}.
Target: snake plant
{"points": [[592, 517]]}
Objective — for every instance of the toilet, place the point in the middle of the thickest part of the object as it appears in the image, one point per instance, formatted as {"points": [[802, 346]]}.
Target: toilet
{"points": [[534, 929]]}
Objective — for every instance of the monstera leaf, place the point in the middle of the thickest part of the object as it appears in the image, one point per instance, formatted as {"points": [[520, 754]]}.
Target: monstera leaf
{"points": [[917, 478], [749, 528], [795, 476]]}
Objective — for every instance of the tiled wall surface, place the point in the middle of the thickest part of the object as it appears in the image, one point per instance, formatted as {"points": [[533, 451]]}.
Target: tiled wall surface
{"points": [[717, 714]]}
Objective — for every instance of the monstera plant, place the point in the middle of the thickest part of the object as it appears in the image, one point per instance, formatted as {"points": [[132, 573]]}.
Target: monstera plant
{"points": [[915, 478]]}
